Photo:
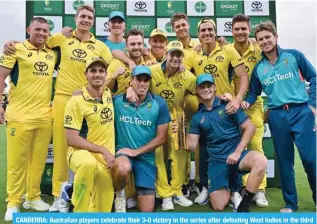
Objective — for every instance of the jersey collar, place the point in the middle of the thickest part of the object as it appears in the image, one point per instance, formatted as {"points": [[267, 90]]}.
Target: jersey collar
{"points": [[29, 46], [279, 52], [88, 97], [92, 37], [216, 49], [148, 98], [152, 56]]}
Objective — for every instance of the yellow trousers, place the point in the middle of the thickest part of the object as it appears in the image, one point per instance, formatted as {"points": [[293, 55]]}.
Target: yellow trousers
{"points": [[60, 168], [27, 146], [93, 186], [256, 116]]}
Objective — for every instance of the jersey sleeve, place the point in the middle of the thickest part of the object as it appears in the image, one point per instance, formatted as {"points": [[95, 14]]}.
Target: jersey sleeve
{"points": [[8, 61], [240, 117], [113, 66], [235, 58], [191, 83], [189, 60], [106, 54], [194, 126], [73, 117], [255, 88], [164, 115], [55, 40]]}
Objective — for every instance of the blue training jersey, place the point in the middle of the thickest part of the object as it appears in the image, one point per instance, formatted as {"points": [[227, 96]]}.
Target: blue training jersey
{"points": [[114, 46], [283, 82]]}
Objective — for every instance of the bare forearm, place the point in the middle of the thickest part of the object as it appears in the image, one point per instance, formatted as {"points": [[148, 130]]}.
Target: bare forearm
{"points": [[244, 85], [192, 142], [152, 145], [246, 138], [120, 55]]}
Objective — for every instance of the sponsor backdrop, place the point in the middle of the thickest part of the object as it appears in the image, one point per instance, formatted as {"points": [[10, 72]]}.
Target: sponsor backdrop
{"points": [[149, 14]]}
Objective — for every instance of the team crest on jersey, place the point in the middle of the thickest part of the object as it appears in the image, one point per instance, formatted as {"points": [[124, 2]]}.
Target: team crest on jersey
{"points": [[252, 59], [12, 133], [220, 59], [90, 47], [49, 57], [286, 61], [200, 62], [178, 85], [149, 105], [71, 43], [109, 100], [158, 84], [127, 74], [220, 112], [68, 120], [202, 120], [266, 69]]}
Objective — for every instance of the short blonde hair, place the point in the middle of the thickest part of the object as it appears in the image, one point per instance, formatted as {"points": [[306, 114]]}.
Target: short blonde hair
{"points": [[87, 7]]}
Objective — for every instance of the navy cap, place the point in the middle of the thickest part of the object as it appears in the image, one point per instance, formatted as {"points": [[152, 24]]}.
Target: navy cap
{"points": [[141, 70], [115, 14], [204, 78]]}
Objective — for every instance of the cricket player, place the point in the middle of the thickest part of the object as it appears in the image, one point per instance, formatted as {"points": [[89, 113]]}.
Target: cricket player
{"points": [[221, 62], [90, 134], [119, 74], [74, 53], [28, 116], [225, 143], [281, 74], [250, 55], [158, 42], [140, 128]]}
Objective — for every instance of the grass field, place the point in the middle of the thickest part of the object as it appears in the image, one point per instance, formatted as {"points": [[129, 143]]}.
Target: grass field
{"points": [[274, 195]]}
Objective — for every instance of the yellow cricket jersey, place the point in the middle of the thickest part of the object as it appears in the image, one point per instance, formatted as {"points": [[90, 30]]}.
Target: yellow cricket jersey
{"points": [[250, 58], [173, 88], [220, 63], [30, 83], [189, 49], [93, 118], [73, 56], [154, 59], [123, 81]]}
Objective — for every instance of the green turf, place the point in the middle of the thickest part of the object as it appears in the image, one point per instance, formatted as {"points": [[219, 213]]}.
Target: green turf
{"points": [[274, 195]]}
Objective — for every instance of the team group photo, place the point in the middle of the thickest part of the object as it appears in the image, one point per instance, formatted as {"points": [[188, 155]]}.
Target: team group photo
{"points": [[155, 106]]}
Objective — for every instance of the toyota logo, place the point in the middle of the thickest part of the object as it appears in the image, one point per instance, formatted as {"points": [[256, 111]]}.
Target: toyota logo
{"points": [[211, 69], [79, 53], [167, 94], [256, 5], [140, 5], [40, 66], [106, 25], [228, 25], [68, 118], [105, 113]]}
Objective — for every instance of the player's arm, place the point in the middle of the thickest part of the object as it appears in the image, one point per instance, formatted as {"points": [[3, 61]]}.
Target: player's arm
{"points": [[255, 90], [55, 40], [106, 54], [72, 124], [122, 56], [309, 73], [193, 135], [191, 83], [248, 130], [113, 72]]}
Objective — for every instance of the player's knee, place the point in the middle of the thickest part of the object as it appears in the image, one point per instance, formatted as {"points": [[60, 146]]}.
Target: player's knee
{"points": [[88, 165], [261, 163], [123, 168], [218, 206], [148, 208]]}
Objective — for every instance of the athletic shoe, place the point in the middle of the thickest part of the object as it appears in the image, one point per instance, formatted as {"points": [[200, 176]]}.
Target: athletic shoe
{"points": [[182, 201], [120, 205], [65, 196], [235, 201], [54, 207], [260, 199], [132, 203], [167, 204], [202, 198], [9, 213], [194, 188], [286, 210], [38, 205]]}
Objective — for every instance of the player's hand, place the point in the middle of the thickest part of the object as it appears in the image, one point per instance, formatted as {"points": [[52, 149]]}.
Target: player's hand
{"points": [[150, 62], [109, 158], [78, 92], [131, 65], [198, 47], [67, 31], [146, 51], [9, 48], [233, 106], [174, 126], [118, 72], [253, 41], [131, 95], [313, 110], [245, 105], [222, 41], [181, 68], [233, 158], [128, 152], [2, 115], [226, 97]]}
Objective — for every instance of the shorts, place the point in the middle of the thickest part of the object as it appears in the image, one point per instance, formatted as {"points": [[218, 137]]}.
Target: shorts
{"points": [[222, 175], [144, 173]]}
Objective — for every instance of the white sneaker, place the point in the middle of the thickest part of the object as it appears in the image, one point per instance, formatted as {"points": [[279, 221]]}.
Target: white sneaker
{"points": [[132, 203], [167, 204], [202, 198], [54, 207], [120, 205], [194, 188], [38, 205], [260, 199], [182, 201], [235, 200], [65, 196], [9, 213]]}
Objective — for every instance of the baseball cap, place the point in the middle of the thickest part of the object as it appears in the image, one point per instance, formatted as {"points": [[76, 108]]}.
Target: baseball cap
{"points": [[204, 78], [158, 32], [115, 14], [94, 60], [141, 70], [175, 46], [206, 20]]}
